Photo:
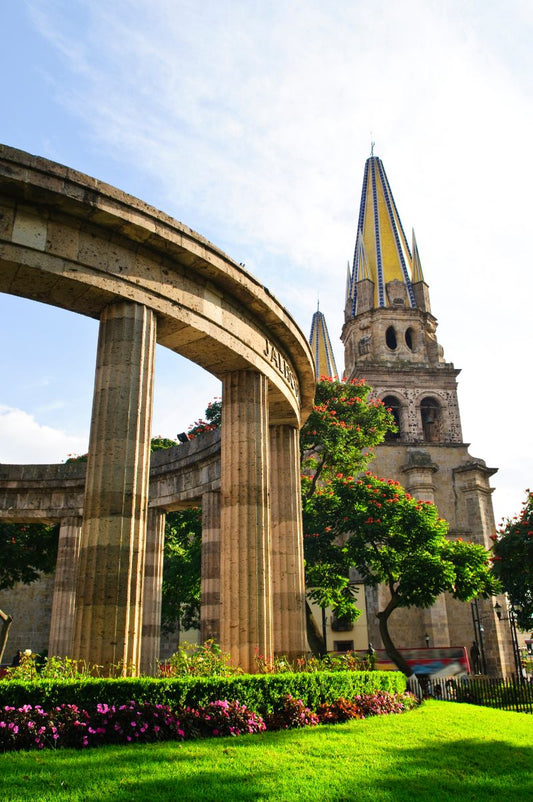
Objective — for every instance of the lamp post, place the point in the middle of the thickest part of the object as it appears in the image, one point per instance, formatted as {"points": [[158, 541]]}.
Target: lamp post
{"points": [[479, 629], [514, 637]]}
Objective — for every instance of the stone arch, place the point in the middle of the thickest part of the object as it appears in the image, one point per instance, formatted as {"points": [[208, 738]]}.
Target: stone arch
{"points": [[395, 405], [70, 241], [431, 419]]}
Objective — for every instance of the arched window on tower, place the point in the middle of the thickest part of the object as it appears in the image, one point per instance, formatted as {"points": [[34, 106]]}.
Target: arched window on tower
{"points": [[410, 340], [430, 412], [390, 338], [392, 403]]}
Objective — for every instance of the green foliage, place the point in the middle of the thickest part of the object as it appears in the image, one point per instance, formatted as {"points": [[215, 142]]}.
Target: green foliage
{"points": [[346, 661], [27, 550], [180, 602], [180, 605], [199, 660], [513, 562], [34, 666], [341, 431], [338, 437], [161, 443], [396, 539], [262, 693]]}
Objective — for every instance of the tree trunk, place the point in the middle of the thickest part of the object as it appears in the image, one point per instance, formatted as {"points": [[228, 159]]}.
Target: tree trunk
{"points": [[314, 638], [390, 648], [5, 623]]}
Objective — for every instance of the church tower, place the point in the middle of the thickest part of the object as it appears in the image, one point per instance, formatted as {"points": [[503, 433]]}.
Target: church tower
{"points": [[390, 340]]}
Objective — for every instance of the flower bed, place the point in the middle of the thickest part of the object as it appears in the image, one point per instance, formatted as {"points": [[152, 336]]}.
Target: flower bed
{"points": [[32, 727]]}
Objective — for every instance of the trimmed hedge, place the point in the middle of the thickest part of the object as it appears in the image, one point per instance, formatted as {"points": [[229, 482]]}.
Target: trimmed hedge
{"points": [[263, 693]]}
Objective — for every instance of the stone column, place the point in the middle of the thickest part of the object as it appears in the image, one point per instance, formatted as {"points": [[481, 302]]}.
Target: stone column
{"points": [[64, 599], [153, 583], [210, 591], [473, 493], [288, 582], [419, 482], [111, 567], [245, 540]]}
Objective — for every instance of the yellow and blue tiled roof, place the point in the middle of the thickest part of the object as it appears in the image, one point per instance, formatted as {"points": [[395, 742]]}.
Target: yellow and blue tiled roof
{"points": [[321, 347], [382, 252]]}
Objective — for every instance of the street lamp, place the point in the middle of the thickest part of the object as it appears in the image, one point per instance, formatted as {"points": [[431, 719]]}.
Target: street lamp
{"points": [[514, 637], [479, 629]]}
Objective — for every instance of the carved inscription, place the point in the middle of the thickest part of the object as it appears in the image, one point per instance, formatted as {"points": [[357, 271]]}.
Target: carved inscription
{"points": [[277, 359]]}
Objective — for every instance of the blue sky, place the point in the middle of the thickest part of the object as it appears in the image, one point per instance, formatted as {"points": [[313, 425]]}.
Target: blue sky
{"points": [[250, 122]]}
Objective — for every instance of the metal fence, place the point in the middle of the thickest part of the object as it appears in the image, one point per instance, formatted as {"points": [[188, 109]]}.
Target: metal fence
{"points": [[505, 694]]}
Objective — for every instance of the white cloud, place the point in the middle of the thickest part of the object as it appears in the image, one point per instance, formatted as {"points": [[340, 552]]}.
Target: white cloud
{"points": [[24, 440], [251, 122]]}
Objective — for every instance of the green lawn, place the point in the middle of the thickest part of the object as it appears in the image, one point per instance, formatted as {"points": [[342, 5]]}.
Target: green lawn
{"points": [[441, 751]]}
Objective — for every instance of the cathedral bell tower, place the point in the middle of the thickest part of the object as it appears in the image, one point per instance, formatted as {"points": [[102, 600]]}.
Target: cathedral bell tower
{"points": [[390, 334], [390, 340]]}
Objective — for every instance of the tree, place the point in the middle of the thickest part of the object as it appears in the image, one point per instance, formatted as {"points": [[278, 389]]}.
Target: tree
{"points": [[180, 602], [339, 435], [395, 540], [27, 551], [181, 570], [344, 426], [213, 415], [513, 562]]}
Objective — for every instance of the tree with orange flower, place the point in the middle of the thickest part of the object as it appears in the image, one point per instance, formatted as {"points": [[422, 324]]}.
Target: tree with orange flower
{"points": [[338, 437], [513, 562], [394, 540]]}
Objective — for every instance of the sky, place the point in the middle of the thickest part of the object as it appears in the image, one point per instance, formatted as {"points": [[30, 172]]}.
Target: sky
{"points": [[251, 122]]}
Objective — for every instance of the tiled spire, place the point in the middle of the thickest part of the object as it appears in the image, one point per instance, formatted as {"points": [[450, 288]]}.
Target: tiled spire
{"points": [[382, 253], [321, 347]]}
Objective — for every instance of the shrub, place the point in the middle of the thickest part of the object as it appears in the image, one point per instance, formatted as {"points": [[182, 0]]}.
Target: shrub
{"points": [[263, 693], [364, 705], [30, 727], [133, 722], [378, 704], [204, 660], [33, 666], [339, 711], [344, 661], [294, 713], [220, 718], [33, 728]]}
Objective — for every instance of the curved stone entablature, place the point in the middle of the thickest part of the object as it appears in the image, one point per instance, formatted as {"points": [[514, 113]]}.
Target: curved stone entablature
{"points": [[179, 477], [74, 242], [70, 241]]}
